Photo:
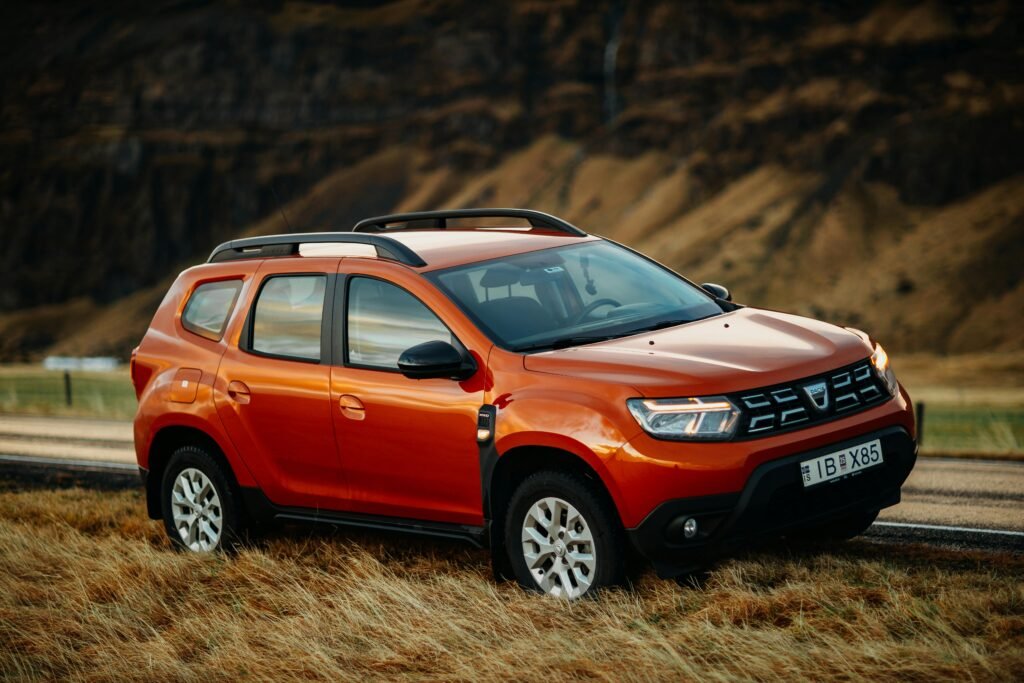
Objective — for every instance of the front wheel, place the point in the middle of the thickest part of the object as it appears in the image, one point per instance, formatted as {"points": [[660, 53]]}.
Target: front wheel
{"points": [[563, 537], [200, 510]]}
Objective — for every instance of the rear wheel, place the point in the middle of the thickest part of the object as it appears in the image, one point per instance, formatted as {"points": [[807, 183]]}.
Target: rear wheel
{"points": [[200, 509], [562, 537]]}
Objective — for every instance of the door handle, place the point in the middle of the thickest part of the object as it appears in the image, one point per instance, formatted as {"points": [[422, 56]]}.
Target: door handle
{"points": [[352, 407], [238, 392]]}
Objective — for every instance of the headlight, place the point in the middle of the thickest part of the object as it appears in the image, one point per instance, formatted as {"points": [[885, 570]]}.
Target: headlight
{"points": [[686, 419], [880, 362]]}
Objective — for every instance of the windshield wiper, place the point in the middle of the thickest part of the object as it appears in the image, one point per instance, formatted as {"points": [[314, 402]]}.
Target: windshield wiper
{"points": [[663, 324], [670, 323], [566, 342]]}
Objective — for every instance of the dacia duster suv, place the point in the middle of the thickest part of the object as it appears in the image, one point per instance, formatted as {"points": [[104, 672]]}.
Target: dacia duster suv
{"points": [[500, 376]]}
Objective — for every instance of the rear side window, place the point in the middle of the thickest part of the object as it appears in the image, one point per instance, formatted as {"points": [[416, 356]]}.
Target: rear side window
{"points": [[385, 320], [288, 316], [209, 307]]}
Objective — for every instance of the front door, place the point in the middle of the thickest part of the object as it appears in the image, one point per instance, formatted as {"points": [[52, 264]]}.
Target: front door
{"points": [[408, 447], [274, 385]]}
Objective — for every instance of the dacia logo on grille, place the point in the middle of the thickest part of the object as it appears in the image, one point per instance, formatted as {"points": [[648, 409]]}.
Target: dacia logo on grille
{"points": [[818, 393]]}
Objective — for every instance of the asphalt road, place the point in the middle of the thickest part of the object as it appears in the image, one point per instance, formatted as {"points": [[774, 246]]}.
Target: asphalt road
{"points": [[948, 502]]}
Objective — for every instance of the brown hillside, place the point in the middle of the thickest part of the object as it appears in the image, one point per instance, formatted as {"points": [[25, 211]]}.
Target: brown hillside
{"points": [[862, 162], [944, 280]]}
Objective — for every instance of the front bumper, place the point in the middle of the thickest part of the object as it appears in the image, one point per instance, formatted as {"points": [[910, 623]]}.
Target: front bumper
{"points": [[773, 502]]}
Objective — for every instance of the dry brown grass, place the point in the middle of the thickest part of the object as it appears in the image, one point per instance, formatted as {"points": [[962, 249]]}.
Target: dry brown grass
{"points": [[89, 590]]}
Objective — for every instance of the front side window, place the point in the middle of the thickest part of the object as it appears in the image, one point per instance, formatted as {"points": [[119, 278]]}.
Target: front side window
{"points": [[209, 308], [385, 320], [288, 316], [553, 298]]}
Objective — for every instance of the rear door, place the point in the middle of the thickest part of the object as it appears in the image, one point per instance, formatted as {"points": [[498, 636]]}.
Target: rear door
{"points": [[274, 385]]}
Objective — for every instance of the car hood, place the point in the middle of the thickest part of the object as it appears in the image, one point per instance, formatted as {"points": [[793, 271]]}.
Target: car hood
{"points": [[744, 349]]}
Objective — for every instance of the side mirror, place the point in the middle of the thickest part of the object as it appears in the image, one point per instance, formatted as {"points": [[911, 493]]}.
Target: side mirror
{"points": [[717, 291], [435, 359]]}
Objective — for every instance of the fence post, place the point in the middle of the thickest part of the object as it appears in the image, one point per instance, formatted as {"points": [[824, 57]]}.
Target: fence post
{"points": [[919, 410], [67, 388]]}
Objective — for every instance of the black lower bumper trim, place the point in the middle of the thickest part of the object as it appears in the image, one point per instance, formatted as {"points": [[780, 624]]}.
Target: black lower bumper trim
{"points": [[773, 502]]}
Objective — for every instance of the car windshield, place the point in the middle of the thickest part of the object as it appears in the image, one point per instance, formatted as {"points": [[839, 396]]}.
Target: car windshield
{"points": [[567, 296]]}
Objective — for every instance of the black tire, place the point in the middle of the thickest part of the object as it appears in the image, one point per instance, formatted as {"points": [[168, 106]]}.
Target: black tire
{"points": [[842, 529], [231, 522], [598, 517]]}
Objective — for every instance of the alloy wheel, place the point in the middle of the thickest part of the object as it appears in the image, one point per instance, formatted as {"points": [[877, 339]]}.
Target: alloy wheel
{"points": [[558, 547], [197, 512]]}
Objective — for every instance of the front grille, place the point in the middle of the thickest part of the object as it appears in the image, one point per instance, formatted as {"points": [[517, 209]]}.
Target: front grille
{"points": [[809, 401]]}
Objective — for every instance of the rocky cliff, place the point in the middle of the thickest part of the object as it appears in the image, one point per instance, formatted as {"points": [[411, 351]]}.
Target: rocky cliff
{"points": [[860, 161]]}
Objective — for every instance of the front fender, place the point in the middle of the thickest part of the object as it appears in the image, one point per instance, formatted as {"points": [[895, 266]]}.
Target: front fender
{"points": [[576, 423]]}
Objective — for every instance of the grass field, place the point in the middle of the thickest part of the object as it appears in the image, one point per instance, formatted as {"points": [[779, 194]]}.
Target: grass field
{"points": [[976, 420], [32, 390], [951, 428], [90, 590]]}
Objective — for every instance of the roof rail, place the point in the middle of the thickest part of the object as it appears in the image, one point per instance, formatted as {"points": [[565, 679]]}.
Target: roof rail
{"points": [[288, 245], [438, 220]]}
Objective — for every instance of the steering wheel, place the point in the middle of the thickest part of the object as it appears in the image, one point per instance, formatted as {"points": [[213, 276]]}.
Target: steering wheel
{"points": [[593, 306]]}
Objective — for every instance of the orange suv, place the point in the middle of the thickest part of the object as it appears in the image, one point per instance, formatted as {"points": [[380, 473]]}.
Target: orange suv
{"points": [[502, 377]]}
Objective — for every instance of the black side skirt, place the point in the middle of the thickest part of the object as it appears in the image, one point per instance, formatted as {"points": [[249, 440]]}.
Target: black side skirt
{"points": [[261, 509]]}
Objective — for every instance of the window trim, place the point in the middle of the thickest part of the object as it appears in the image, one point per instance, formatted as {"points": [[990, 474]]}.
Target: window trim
{"points": [[341, 341], [200, 332], [326, 320]]}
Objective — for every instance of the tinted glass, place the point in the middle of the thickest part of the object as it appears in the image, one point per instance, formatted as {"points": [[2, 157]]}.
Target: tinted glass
{"points": [[385, 320], [209, 307], [572, 295], [288, 316]]}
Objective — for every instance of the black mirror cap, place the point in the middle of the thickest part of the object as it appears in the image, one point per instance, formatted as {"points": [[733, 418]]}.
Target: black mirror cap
{"points": [[435, 359], [717, 291]]}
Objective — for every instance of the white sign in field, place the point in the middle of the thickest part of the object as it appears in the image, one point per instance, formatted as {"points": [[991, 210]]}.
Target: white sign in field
{"points": [[93, 363]]}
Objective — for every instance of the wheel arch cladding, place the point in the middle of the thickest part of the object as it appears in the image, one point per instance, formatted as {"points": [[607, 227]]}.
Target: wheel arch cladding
{"points": [[165, 443], [510, 470]]}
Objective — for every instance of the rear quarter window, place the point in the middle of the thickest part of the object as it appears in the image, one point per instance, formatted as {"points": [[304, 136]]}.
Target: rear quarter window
{"points": [[209, 308]]}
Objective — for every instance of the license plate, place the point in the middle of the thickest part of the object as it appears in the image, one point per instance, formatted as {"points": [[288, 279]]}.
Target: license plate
{"points": [[841, 463]]}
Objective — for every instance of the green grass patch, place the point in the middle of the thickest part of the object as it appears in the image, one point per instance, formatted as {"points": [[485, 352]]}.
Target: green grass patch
{"points": [[34, 391], [980, 429]]}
